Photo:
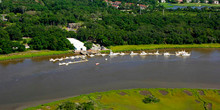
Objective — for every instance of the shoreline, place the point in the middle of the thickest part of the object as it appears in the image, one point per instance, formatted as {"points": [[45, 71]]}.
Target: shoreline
{"points": [[120, 48], [117, 98]]}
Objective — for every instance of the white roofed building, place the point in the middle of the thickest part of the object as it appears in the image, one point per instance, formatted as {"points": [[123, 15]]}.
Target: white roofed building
{"points": [[79, 46]]}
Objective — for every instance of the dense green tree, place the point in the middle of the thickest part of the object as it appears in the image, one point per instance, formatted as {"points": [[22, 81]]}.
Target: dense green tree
{"points": [[3, 34], [88, 45], [14, 32]]}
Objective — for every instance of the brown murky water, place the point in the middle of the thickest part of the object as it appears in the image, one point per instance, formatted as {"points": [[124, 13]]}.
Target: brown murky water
{"points": [[29, 82]]}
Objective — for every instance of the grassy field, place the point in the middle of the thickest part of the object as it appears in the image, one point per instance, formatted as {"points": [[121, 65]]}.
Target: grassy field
{"points": [[166, 5], [31, 53], [161, 46], [170, 99]]}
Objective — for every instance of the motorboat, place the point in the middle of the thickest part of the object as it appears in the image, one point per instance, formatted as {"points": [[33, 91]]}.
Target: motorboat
{"points": [[61, 59], [91, 55], [156, 53], [51, 59], [113, 54], [122, 54], [77, 56], [166, 54], [72, 57], [98, 54], [182, 53], [62, 64], [83, 57], [132, 53], [150, 53], [67, 58], [186, 54], [143, 53], [178, 54], [103, 55]]}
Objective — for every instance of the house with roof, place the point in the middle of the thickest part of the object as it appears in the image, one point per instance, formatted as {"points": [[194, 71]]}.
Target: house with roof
{"points": [[180, 1], [79, 46], [115, 6], [73, 26], [215, 2], [3, 17], [163, 1], [142, 7], [117, 3], [188, 1]]}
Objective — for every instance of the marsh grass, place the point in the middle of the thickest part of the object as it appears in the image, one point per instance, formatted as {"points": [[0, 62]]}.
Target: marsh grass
{"points": [[31, 53], [132, 99], [122, 48]]}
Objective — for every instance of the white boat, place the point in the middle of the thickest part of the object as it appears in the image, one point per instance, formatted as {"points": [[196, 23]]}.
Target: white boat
{"points": [[103, 55], [91, 55], [156, 53], [143, 53], [72, 57], [83, 57], [186, 54], [51, 59], [62, 64], [178, 54], [54, 60], [77, 56], [132, 53], [98, 54], [70, 62], [150, 53], [61, 59], [166, 54], [113, 54], [67, 58], [182, 53], [117, 53], [122, 54]]}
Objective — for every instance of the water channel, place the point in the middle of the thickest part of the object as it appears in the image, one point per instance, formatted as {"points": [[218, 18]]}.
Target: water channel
{"points": [[29, 82]]}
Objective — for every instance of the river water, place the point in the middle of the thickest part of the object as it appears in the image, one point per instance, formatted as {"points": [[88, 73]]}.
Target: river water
{"points": [[29, 82]]}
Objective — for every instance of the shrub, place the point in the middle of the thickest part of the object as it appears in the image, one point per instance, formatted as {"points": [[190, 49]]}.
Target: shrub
{"points": [[86, 106], [73, 106], [150, 99], [24, 41], [67, 106], [88, 45]]}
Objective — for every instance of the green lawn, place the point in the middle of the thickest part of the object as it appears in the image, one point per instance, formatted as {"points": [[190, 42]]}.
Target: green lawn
{"points": [[159, 46], [170, 99], [31, 53]]}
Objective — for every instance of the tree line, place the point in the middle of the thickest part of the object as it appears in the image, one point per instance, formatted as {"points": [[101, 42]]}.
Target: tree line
{"points": [[44, 22]]}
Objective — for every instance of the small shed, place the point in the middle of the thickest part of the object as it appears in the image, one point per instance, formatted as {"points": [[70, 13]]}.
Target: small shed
{"points": [[79, 46]]}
